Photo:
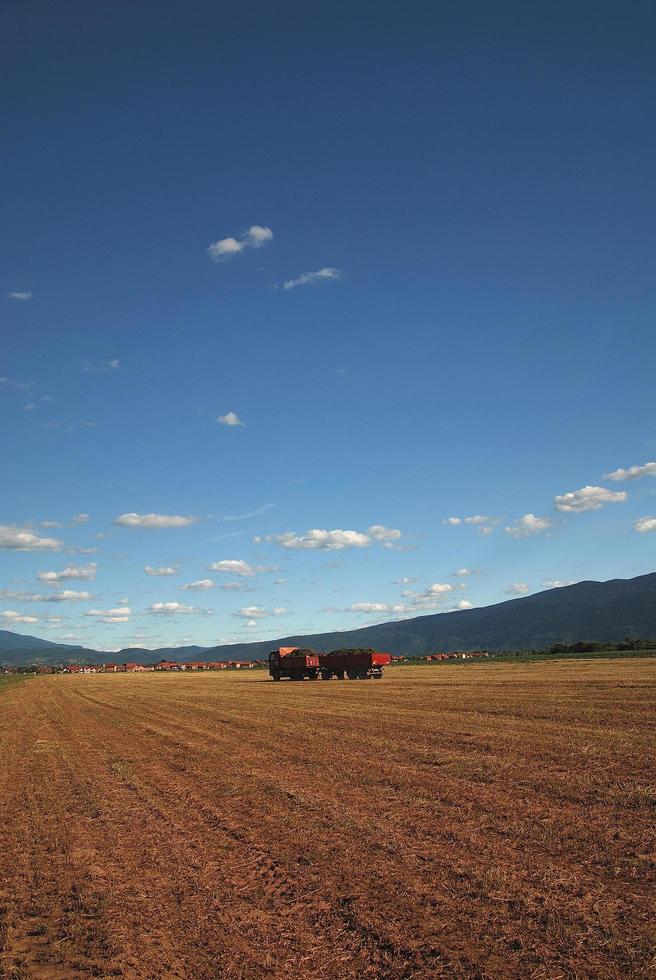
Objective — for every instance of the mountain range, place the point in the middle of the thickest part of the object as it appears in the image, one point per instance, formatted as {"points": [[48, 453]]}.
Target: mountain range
{"points": [[605, 611]]}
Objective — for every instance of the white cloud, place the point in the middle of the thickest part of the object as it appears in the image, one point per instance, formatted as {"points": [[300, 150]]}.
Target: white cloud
{"points": [[80, 519], [153, 520], [645, 524], [438, 588], [85, 572], [15, 538], [119, 615], [464, 604], [588, 498], [374, 607], [199, 586], [335, 540], [233, 566], [162, 570], [633, 472], [171, 608], [555, 583], [527, 525], [462, 572], [518, 588], [484, 523], [68, 595], [258, 612], [326, 274], [22, 297], [230, 419], [405, 580], [226, 248], [386, 535], [11, 616], [251, 513]]}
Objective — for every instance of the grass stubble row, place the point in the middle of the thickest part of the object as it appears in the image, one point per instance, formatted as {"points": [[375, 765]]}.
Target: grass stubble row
{"points": [[492, 821]]}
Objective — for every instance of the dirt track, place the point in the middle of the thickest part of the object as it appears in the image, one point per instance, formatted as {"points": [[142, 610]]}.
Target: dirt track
{"points": [[488, 821]]}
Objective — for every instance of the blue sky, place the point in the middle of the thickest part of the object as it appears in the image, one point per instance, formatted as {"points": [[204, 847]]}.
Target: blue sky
{"points": [[407, 250]]}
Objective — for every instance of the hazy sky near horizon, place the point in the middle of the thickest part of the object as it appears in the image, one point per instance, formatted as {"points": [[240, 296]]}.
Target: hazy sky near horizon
{"points": [[317, 316]]}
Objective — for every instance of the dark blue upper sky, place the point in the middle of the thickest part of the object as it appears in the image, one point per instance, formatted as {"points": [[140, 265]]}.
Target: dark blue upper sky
{"points": [[480, 179]]}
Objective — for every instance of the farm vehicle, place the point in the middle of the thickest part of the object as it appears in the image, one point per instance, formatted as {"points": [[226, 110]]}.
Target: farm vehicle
{"points": [[298, 664]]}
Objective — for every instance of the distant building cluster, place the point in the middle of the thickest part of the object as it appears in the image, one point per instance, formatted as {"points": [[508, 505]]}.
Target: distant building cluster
{"points": [[134, 668]]}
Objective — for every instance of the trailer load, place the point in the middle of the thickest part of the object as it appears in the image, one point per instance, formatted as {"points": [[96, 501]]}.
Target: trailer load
{"points": [[298, 664], [359, 664]]}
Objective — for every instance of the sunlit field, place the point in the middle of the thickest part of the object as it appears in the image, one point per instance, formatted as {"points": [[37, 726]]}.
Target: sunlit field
{"points": [[487, 822]]}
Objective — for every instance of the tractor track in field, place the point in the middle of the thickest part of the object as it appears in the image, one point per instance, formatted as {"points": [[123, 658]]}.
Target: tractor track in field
{"points": [[222, 827]]}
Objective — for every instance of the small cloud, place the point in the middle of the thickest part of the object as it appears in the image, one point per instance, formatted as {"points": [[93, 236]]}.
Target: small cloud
{"points": [[251, 613], [555, 583], [85, 573], [171, 608], [15, 538], [464, 572], [327, 274], [226, 248], [588, 498], [529, 524], [335, 540], [484, 523], [633, 472], [233, 566], [16, 385], [11, 616], [405, 580], [464, 604], [518, 588], [21, 297], [68, 595], [101, 367], [80, 519], [645, 524], [153, 520], [200, 585], [230, 419], [162, 570]]}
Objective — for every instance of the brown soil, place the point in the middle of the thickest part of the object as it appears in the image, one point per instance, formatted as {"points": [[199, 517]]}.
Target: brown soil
{"points": [[488, 821]]}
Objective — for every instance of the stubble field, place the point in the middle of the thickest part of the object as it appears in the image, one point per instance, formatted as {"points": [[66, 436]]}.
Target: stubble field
{"points": [[487, 821]]}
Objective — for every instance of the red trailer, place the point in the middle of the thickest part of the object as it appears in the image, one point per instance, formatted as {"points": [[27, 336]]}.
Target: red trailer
{"points": [[354, 664], [293, 663]]}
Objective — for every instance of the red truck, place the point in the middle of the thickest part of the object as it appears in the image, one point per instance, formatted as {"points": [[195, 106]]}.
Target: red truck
{"points": [[297, 664], [293, 663], [354, 664]]}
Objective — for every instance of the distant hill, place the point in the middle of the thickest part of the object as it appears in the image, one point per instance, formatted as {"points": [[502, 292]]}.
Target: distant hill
{"points": [[585, 611]]}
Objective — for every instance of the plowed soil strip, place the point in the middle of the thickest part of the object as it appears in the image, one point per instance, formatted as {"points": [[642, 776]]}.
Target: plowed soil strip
{"points": [[497, 821]]}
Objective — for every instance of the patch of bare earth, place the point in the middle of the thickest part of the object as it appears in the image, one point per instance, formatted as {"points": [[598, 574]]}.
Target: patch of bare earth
{"points": [[493, 821]]}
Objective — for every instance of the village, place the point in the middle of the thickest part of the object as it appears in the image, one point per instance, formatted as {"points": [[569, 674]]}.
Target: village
{"points": [[132, 667]]}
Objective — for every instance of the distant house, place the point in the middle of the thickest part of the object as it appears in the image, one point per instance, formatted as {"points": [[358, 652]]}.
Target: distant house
{"points": [[132, 668], [109, 668], [167, 665]]}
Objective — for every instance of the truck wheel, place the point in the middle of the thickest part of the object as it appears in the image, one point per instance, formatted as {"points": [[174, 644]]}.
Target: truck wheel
{"points": [[377, 677], [276, 675], [326, 677], [340, 675], [352, 675]]}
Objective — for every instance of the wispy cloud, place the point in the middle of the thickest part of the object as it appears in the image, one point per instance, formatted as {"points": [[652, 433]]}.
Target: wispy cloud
{"points": [[484, 523], [251, 513], [645, 524], [588, 498], [110, 616], [101, 367], [21, 296], [173, 609], [17, 385], [153, 520], [230, 419], [259, 612], [327, 274], [226, 248], [162, 570]]}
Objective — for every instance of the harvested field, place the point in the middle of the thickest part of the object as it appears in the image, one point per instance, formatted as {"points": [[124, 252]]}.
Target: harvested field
{"points": [[492, 821]]}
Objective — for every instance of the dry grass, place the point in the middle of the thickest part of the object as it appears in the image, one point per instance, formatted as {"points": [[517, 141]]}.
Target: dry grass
{"points": [[488, 822]]}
